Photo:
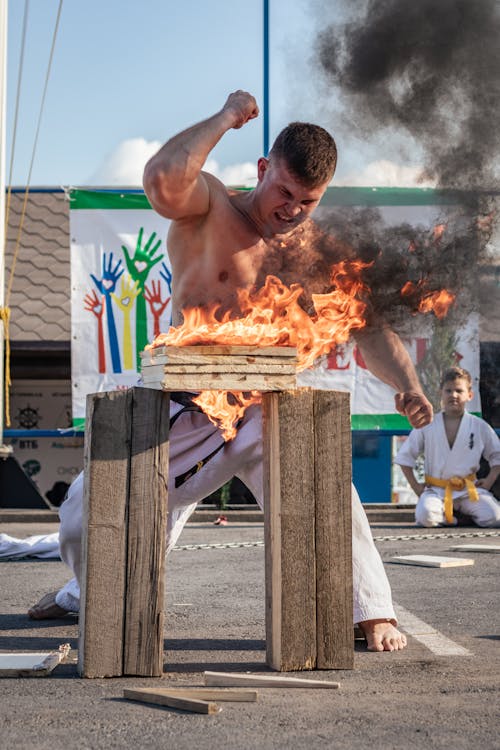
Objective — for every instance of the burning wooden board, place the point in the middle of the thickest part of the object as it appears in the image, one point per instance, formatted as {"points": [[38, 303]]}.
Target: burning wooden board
{"points": [[220, 367]]}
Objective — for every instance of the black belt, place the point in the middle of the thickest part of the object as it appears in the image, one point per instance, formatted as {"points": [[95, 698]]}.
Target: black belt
{"points": [[185, 399]]}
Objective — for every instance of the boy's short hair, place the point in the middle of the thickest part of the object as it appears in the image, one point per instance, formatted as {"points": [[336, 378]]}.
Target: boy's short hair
{"points": [[308, 150], [454, 373]]}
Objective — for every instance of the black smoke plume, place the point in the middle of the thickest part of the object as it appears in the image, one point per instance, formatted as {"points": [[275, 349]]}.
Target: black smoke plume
{"points": [[430, 67]]}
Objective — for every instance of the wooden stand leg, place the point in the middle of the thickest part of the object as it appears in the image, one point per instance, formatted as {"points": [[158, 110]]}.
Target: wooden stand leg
{"points": [[333, 475], [124, 525], [307, 490]]}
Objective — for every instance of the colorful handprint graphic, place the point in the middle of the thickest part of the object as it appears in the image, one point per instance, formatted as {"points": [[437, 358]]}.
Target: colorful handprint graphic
{"points": [[156, 304], [106, 286], [93, 304], [139, 266], [129, 291]]}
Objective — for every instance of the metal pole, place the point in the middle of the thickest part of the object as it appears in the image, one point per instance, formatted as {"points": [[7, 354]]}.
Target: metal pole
{"points": [[265, 104], [4, 451]]}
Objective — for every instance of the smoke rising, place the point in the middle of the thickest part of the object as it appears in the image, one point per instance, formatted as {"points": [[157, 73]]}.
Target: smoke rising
{"points": [[430, 71], [429, 67]]}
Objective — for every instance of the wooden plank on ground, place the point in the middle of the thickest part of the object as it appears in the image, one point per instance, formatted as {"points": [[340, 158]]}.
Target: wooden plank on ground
{"points": [[289, 530], [206, 693], [147, 521], [106, 461], [476, 547], [432, 561], [332, 458], [172, 701], [234, 679]]}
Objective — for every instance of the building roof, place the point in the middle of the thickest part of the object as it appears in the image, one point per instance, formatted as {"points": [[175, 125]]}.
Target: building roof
{"points": [[40, 297]]}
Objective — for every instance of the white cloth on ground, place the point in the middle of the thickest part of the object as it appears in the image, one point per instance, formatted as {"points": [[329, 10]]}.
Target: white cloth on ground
{"points": [[192, 438], [475, 438], [39, 545]]}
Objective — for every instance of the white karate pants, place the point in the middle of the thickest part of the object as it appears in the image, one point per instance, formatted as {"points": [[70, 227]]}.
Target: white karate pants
{"points": [[429, 510], [192, 438]]}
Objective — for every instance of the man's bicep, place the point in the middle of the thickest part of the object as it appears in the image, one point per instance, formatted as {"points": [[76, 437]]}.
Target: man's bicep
{"points": [[179, 204]]}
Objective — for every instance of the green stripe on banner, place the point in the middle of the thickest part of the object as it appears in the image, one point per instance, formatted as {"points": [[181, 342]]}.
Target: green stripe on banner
{"points": [[367, 196], [334, 196], [379, 422], [103, 199], [358, 422], [383, 421]]}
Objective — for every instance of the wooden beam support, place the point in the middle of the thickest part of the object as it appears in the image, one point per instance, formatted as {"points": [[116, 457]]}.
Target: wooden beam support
{"points": [[124, 527], [307, 491], [332, 481], [289, 530]]}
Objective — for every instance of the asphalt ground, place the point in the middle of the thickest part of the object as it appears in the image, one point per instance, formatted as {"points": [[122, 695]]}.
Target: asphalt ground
{"points": [[440, 692]]}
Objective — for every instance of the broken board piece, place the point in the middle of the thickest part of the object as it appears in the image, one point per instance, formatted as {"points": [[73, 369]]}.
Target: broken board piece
{"points": [[145, 695], [32, 664], [234, 679], [476, 548], [433, 561], [204, 693]]}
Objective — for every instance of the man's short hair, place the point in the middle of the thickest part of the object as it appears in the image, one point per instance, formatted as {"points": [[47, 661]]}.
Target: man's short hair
{"points": [[309, 152], [455, 373]]}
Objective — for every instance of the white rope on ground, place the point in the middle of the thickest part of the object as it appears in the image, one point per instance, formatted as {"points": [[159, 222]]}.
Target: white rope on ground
{"points": [[401, 538]]}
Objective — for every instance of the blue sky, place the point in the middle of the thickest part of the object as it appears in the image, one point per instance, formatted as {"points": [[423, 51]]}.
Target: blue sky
{"points": [[126, 76]]}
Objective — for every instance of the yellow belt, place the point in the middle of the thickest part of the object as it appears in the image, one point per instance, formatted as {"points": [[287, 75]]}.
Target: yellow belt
{"points": [[451, 484]]}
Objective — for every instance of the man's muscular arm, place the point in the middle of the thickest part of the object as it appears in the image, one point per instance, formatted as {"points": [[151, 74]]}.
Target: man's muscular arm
{"points": [[173, 180], [386, 357]]}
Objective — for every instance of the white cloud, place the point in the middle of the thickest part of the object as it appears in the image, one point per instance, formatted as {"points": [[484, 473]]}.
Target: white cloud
{"points": [[125, 164], [384, 173], [238, 175]]}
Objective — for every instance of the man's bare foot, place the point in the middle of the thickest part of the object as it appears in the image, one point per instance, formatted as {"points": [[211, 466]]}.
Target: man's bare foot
{"points": [[47, 609], [382, 635]]}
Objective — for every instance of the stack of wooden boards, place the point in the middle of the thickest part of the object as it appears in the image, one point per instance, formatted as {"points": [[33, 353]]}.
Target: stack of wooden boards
{"points": [[219, 367]]}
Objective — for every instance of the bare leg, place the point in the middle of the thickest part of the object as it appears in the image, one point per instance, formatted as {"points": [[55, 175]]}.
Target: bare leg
{"points": [[382, 635]]}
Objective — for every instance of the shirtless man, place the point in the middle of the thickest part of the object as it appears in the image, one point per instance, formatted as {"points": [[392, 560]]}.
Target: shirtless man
{"points": [[221, 240]]}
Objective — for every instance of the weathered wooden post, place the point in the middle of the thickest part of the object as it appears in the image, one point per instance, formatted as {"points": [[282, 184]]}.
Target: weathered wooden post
{"points": [[308, 533], [125, 511]]}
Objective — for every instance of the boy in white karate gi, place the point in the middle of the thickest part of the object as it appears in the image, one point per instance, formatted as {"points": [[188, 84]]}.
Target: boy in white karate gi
{"points": [[453, 445]]}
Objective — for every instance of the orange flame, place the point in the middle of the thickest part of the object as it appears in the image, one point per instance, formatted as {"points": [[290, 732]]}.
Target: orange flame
{"points": [[225, 408], [439, 230], [272, 316], [438, 302]]}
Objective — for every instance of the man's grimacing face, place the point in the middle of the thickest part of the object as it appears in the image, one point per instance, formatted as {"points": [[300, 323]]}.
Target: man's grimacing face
{"points": [[284, 202]]}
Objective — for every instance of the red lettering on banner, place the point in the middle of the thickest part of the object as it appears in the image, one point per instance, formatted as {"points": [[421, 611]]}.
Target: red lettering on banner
{"points": [[358, 358], [335, 358]]}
